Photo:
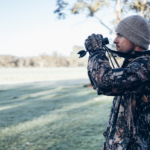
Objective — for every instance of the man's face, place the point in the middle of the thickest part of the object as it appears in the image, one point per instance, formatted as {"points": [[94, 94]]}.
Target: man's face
{"points": [[123, 44]]}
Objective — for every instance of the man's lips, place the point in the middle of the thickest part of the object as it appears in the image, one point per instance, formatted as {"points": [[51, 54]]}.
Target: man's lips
{"points": [[117, 46]]}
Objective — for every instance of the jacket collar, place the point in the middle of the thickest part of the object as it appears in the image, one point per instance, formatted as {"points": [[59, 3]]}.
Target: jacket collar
{"points": [[134, 55]]}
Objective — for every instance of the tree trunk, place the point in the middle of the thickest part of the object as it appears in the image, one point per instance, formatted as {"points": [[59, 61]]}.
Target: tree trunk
{"points": [[143, 5], [118, 11]]}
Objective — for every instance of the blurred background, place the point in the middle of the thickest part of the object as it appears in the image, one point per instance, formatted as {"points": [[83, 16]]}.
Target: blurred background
{"points": [[46, 101]]}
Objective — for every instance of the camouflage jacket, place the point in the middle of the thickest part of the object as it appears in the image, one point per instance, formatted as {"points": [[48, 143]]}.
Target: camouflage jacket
{"points": [[128, 126]]}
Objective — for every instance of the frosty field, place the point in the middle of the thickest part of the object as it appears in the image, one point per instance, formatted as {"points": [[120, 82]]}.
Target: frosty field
{"points": [[50, 109]]}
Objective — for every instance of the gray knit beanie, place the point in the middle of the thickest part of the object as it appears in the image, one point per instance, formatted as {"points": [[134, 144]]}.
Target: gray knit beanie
{"points": [[136, 29]]}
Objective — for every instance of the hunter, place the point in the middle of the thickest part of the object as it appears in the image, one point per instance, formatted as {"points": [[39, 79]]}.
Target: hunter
{"points": [[129, 121]]}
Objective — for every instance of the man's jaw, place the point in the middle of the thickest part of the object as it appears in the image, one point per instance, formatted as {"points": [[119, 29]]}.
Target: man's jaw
{"points": [[118, 48]]}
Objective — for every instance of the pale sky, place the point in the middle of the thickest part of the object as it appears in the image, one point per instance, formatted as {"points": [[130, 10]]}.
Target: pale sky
{"points": [[30, 28]]}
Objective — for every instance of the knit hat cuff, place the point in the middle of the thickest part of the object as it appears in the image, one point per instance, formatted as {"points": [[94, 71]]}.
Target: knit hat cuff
{"points": [[132, 35]]}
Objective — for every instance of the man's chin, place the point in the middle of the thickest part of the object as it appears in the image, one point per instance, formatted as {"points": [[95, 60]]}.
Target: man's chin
{"points": [[119, 50]]}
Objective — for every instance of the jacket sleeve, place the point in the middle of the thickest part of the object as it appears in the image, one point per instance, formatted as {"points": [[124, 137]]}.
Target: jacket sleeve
{"points": [[118, 81]]}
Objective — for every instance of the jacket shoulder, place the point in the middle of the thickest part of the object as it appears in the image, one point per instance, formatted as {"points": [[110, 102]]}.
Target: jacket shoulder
{"points": [[141, 59]]}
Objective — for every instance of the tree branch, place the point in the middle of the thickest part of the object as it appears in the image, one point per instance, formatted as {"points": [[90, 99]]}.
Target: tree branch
{"points": [[111, 31]]}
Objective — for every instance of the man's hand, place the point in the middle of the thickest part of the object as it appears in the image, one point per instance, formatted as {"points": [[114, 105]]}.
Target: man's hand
{"points": [[93, 43]]}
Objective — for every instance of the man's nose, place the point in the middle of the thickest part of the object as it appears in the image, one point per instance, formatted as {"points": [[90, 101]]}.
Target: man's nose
{"points": [[115, 40]]}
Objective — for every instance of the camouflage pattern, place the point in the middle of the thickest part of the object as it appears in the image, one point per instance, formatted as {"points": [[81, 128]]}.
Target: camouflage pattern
{"points": [[93, 43], [128, 126]]}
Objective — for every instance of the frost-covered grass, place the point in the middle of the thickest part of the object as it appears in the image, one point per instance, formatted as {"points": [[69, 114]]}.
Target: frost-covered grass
{"points": [[21, 75], [52, 115]]}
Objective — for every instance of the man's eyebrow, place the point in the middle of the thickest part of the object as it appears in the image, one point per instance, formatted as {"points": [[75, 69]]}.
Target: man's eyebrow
{"points": [[119, 34]]}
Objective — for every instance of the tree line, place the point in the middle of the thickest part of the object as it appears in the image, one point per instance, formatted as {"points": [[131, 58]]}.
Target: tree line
{"points": [[44, 60]]}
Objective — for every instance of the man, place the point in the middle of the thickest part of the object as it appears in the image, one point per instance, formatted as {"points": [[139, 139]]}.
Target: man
{"points": [[129, 122]]}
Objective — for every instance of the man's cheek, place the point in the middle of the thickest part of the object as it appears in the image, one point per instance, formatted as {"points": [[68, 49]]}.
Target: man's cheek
{"points": [[121, 39]]}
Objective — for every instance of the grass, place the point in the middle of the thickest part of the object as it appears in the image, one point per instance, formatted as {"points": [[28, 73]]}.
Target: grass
{"points": [[52, 115]]}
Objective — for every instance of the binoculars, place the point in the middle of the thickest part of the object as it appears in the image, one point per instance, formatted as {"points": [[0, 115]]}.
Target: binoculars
{"points": [[82, 53], [105, 41]]}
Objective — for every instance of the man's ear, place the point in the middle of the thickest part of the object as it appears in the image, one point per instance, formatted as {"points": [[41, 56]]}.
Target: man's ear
{"points": [[135, 45], [138, 48]]}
